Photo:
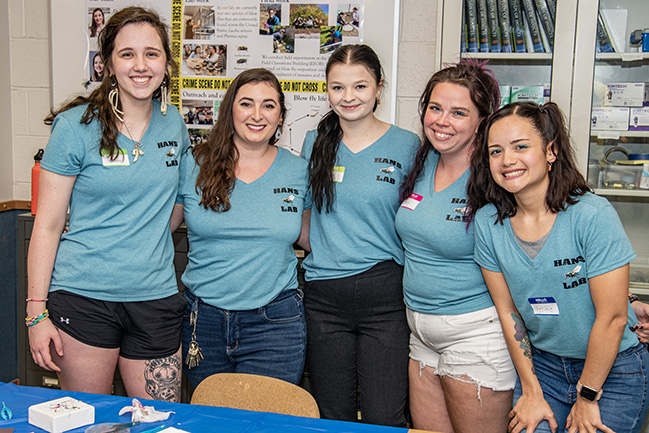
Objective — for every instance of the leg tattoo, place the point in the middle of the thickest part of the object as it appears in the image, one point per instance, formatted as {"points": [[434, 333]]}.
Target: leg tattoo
{"points": [[162, 378]]}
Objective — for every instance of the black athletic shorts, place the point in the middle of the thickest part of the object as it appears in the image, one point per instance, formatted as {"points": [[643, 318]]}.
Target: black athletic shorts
{"points": [[141, 330]]}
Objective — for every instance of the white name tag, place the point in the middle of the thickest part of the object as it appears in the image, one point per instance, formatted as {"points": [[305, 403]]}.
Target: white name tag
{"points": [[544, 306], [338, 173], [121, 160], [412, 201]]}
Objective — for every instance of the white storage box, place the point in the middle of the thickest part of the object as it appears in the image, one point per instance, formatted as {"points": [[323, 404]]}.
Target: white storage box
{"points": [[616, 118], [625, 94], [639, 120], [61, 415]]}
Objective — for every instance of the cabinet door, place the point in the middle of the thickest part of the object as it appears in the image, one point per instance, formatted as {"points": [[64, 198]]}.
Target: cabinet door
{"points": [[522, 74], [617, 127]]}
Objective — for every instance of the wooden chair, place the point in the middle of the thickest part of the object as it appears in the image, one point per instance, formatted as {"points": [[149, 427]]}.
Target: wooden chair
{"points": [[257, 393]]}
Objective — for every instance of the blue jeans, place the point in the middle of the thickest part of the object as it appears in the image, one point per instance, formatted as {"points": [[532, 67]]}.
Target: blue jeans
{"points": [[269, 341], [358, 341], [625, 399]]}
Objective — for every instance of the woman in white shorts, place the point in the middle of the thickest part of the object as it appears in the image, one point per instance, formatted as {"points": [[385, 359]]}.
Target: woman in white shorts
{"points": [[460, 372]]}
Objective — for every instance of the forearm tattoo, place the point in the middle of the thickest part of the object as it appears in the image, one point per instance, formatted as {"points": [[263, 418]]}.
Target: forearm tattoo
{"points": [[522, 336], [162, 378]]}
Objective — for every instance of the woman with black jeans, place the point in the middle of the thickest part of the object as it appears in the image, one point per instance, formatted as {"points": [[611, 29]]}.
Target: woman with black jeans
{"points": [[356, 322]]}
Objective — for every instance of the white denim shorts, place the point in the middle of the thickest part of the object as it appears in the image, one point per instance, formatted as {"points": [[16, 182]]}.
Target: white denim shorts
{"points": [[468, 347]]}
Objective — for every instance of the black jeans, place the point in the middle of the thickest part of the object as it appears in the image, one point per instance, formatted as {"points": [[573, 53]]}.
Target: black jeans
{"points": [[357, 340]]}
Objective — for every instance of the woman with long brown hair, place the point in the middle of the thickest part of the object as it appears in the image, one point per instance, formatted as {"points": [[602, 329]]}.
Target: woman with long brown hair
{"points": [[113, 158], [242, 198]]}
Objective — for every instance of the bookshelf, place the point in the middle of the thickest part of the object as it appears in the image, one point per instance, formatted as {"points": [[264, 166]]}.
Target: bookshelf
{"points": [[577, 73]]}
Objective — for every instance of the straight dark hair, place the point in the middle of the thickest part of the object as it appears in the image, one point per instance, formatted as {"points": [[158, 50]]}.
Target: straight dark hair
{"points": [[98, 104], [566, 182], [330, 133], [218, 156]]}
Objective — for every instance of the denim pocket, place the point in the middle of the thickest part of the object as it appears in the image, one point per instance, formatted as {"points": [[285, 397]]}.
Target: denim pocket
{"points": [[284, 310]]}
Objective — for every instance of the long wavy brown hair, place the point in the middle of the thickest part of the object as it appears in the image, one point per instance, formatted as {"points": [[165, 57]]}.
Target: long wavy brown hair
{"points": [[217, 157], [98, 105]]}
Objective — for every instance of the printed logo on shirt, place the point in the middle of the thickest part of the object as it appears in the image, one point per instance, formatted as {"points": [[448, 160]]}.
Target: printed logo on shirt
{"points": [[385, 173], [459, 212], [287, 201], [573, 273], [170, 153]]}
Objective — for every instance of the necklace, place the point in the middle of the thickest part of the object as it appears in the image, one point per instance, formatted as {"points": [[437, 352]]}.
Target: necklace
{"points": [[137, 144]]}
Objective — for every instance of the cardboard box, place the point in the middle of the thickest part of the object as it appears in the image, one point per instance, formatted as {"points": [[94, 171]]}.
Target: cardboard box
{"points": [[527, 93], [639, 119], [505, 95], [625, 94], [61, 415], [610, 118]]}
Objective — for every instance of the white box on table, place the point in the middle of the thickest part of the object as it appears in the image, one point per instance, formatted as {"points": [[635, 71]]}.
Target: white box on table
{"points": [[61, 415]]}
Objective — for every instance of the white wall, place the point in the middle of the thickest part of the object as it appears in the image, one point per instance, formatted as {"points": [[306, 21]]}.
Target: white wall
{"points": [[25, 81], [29, 44]]}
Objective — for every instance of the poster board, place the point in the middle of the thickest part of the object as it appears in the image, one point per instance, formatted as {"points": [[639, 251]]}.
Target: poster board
{"points": [[72, 54]]}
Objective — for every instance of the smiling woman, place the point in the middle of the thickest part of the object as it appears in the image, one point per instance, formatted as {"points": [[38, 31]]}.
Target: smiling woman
{"points": [[118, 306], [358, 335], [242, 199]]}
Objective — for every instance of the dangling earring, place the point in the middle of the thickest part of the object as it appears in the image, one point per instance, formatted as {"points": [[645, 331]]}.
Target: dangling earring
{"points": [[549, 166], [113, 99], [278, 134], [163, 97]]}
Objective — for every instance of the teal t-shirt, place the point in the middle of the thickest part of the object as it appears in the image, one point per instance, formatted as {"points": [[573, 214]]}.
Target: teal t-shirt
{"points": [[440, 275], [587, 240], [243, 258], [359, 232], [119, 245]]}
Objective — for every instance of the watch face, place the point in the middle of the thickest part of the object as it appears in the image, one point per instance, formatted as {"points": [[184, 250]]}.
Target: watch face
{"points": [[588, 393]]}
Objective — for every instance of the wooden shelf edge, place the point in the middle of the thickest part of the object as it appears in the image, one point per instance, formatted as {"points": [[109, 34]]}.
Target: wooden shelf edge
{"points": [[15, 205]]}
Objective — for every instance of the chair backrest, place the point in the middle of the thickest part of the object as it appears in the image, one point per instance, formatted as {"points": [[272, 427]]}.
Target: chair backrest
{"points": [[253, 392]]}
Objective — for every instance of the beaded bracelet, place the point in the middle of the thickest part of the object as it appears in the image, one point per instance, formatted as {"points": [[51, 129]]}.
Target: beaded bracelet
{"points": [[36, 300], [31, 321]]}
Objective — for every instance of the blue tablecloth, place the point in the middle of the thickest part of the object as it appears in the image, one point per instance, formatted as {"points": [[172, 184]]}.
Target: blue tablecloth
{"points": [[191, 418]]}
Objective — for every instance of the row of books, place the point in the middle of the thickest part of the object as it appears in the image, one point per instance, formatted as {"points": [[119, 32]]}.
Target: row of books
{"points": [[508, 26]]}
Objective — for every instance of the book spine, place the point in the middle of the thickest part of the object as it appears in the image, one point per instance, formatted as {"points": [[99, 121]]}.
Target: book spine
{"points": [[505, 28], [530, 13], [463, 38], [603, 41], [552, 7], [547, 22], [494, 32], [518, 31], [472, 25], [483, 26]]}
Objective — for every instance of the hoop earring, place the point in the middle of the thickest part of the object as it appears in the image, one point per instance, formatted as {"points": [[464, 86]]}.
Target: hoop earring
{"points": [[113, 99], [278, 134], [163, 97]]}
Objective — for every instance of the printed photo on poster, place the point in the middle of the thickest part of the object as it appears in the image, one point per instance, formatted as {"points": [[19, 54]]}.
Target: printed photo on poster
{"points": [[98, 17], [270, 16], [307, 18], [96, 67], [349, 18], [198, 112], [199, 22]]}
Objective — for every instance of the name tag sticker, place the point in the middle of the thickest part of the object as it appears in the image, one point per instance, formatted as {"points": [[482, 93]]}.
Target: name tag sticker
{"points": [[544, 306], [412, 201], [338, 173], [121, 160]]}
